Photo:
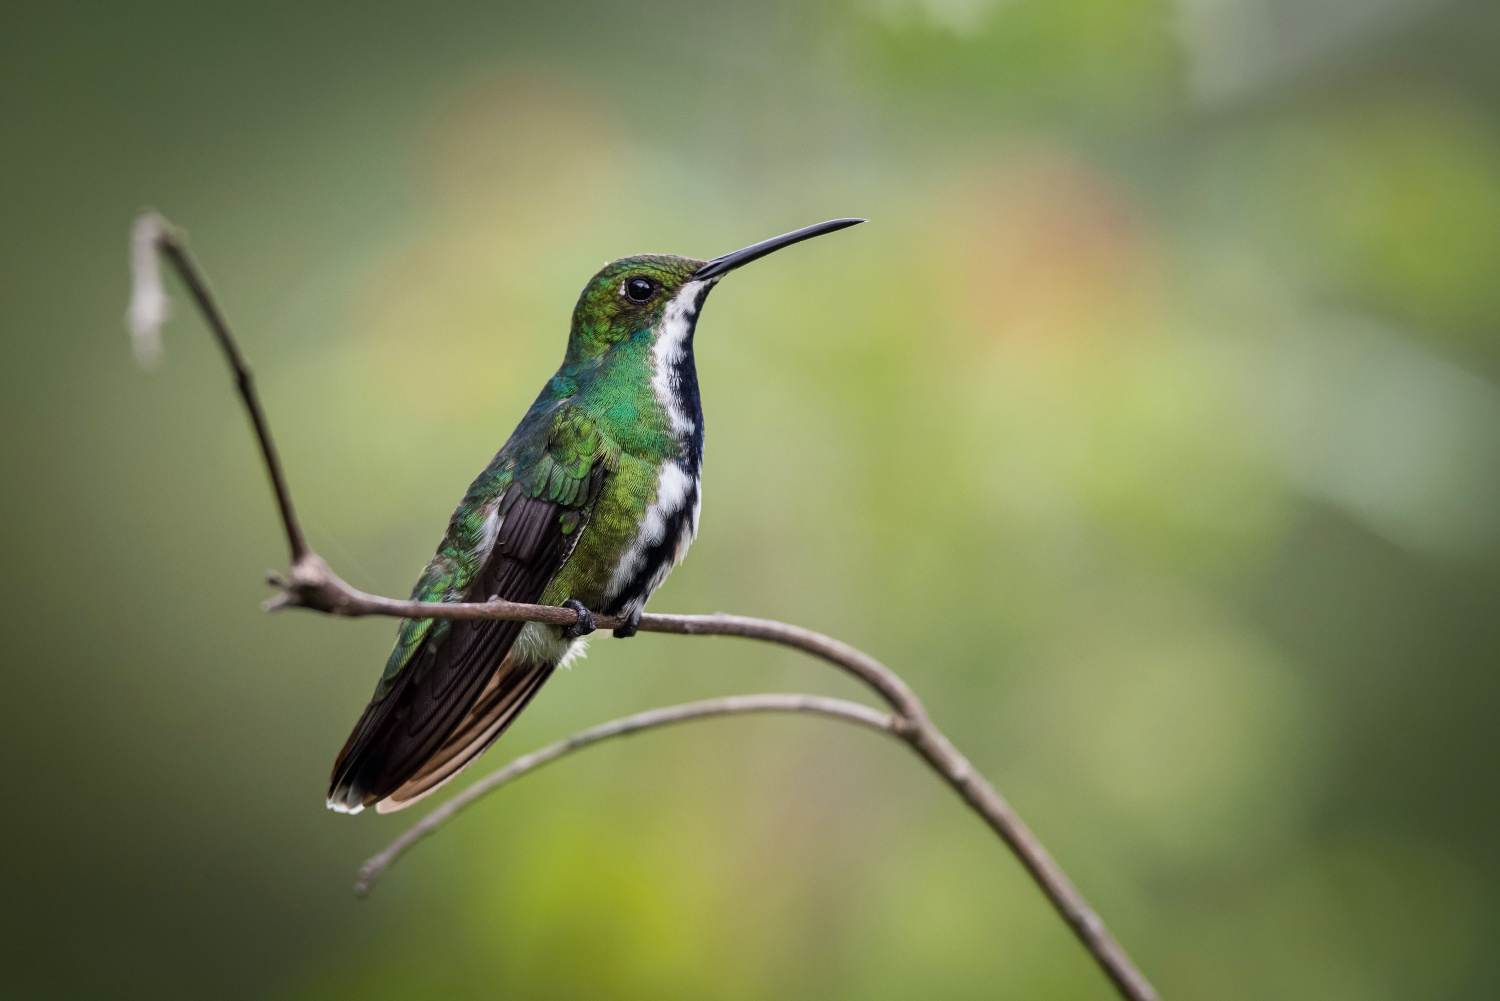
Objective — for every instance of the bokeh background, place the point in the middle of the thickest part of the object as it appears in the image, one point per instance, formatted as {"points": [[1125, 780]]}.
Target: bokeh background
{"points": [[1150, 429]]}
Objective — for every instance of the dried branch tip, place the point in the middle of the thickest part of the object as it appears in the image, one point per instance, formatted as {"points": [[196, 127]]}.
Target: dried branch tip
{"points": [[149, 305]]}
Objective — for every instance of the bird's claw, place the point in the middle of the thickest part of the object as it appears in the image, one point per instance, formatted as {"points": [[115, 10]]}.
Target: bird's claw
{"points": [[632, 623], [585, 623]]}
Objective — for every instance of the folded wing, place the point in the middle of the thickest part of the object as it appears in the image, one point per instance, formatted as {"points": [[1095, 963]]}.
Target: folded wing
{"points": [[451, 688]]}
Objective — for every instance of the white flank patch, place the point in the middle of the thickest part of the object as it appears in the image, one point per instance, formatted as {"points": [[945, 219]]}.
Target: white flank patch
{"points": [[540, 643], [490, 531], [672, 488], [577, 650], [667, 352]]}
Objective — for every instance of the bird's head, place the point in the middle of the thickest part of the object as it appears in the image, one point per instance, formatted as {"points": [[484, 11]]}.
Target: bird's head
{"points": [[641, 297]]}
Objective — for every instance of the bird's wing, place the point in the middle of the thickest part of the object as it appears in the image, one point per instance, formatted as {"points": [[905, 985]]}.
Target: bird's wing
{"points": [[510, 537]]}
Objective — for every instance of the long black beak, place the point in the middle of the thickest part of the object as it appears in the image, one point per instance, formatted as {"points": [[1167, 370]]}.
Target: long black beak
{"points": [[754, 252]]}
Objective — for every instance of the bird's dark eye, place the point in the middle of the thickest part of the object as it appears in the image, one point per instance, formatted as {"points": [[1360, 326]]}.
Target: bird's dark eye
{"points": [[639, 289]]}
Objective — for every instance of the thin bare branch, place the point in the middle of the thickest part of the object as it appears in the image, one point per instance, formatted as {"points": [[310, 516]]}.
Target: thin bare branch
{"points": [[172, 243], [733, 705], [311, 584]]}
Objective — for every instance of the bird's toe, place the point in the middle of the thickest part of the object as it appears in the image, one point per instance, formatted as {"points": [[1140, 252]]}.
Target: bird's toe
{"points": [[585, 623], [632, 624]]}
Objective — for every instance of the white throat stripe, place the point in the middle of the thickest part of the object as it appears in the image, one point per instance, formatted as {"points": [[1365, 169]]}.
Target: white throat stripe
{"points": [[670, 347]]}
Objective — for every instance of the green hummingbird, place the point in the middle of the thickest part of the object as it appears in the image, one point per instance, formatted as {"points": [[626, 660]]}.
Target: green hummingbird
{"points": [[589, 505]]}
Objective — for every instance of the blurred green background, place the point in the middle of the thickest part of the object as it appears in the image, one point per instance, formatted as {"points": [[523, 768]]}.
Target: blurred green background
{"points": [[1150, 430]]}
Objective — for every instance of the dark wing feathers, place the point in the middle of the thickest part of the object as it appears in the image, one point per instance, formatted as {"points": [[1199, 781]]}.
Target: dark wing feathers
{"points": [[441, 671], [507, 693], [446, 675], [525, 528]]}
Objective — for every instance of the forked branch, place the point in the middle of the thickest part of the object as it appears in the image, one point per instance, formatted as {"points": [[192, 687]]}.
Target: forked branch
{"points": [[311, 584]]}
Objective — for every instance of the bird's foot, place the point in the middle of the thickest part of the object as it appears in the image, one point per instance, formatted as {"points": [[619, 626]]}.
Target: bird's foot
{"points": [[632, 623], [585, 623]]}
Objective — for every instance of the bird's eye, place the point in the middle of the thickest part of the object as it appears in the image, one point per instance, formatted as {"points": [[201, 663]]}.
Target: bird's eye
{"points": [[639, 289]]}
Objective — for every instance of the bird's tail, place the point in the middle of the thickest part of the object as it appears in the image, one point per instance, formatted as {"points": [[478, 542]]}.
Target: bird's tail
{"points": [[507, 693]]}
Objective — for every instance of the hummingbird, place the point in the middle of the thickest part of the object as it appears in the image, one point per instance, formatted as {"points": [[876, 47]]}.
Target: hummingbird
{"points": [[589, 505]]}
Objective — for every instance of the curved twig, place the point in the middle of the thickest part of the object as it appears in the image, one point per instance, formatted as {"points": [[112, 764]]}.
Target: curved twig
{"points": [[732, 705], [311, 584], [150, 229]]}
